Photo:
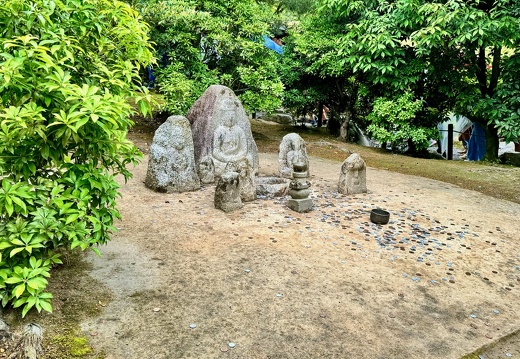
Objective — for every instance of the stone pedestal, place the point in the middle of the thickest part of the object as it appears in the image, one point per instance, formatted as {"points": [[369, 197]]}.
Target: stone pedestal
{"points": [[300, 205]]}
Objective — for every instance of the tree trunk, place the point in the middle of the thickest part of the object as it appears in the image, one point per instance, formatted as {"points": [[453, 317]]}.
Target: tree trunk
{"points": [[343, 130], [492, 142], [320, 114]]}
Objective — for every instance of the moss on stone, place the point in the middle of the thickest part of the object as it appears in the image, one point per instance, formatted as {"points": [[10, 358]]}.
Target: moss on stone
{"points": [[72, 346]]}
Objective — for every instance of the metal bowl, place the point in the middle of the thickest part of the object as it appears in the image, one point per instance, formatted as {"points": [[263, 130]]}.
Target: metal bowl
{"points": [[379, 216]]}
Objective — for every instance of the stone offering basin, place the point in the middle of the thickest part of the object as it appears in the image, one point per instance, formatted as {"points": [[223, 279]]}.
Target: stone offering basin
{"points": [[271, 186], [379, 216]]}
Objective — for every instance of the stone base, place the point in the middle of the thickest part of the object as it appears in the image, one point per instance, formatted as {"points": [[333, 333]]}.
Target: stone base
{"points": [[300, 205], [229, 207]]}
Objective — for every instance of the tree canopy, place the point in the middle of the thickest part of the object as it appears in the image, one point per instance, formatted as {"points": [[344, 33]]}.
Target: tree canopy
{"points": [[459, 56], [199, 43]]}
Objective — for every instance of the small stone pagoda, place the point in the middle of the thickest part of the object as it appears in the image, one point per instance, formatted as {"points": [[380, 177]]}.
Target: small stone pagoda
{"points": [[299, 189]]}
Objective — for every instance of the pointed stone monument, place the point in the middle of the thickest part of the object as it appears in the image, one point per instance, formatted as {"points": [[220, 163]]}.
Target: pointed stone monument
{"points": [[353, 176], [221, 132], [171, 163]]}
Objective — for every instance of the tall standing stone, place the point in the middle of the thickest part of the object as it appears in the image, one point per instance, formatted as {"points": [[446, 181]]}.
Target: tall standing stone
{"points": [[221, 131], [353, 177], [171, 164], [292, 150]]}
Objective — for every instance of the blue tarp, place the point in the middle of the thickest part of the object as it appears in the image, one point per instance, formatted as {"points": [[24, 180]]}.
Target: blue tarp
{"points": [[477, 143], [270, 44]]}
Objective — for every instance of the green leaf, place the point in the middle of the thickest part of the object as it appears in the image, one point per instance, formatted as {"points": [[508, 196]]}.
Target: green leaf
{"points": [[37, 283], [4, 245], [13, 280], [27, 307], [45, 305], [19, 290], [15, 251]]}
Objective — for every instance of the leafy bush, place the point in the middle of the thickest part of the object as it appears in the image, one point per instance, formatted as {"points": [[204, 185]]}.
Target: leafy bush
{"points": [[394, 121], [67, 69]]}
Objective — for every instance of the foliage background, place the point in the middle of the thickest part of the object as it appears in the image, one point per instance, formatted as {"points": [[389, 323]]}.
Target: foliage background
{"points": [[200, 43]]}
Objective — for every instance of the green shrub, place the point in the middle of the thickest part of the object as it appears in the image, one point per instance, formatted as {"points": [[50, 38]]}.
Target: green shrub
{"points": [[67, 70], [395, 121]]}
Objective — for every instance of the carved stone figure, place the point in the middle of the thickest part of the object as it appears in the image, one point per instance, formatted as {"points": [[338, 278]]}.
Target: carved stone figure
{"points": [[353, 178], [206, 170], [247, 178], [229, 140], [221, 131], [227, 192], [171, 164], [291, 151]]}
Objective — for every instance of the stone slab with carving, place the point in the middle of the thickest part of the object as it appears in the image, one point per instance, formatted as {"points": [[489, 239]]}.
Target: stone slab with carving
{"points": [[227, 192], [353, 176], [247, 179], [221, 132], [171, 164], [292, 150]]}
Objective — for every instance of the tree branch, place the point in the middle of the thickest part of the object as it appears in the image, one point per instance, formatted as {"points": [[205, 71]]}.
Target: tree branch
{"points": [[481, 70], [495, 69]]}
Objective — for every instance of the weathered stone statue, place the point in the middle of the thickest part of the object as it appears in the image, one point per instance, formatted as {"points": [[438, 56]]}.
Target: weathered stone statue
{"points": [[353, 177], [221, 131], [292, 150], [247, 179], [229, 140], [227, 192], [206, 170], [171, 164], [299, 189]]}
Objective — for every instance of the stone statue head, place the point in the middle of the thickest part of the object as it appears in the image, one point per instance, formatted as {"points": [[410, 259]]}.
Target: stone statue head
{"points": [[354, 163], [228, 108]]}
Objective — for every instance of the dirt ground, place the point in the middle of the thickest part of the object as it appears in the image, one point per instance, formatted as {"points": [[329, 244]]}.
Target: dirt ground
{"points": [[189, 281]]}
